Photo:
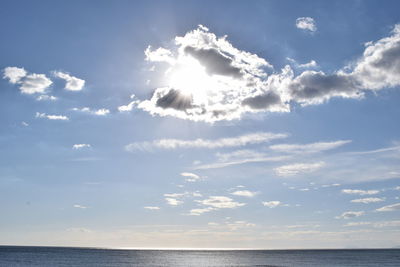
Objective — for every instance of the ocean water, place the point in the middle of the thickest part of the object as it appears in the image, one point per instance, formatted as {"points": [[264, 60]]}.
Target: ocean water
{"points": [[14, 256]]}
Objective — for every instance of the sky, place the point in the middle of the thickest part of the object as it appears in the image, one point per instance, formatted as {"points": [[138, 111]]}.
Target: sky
{"points": [[200, 124]]}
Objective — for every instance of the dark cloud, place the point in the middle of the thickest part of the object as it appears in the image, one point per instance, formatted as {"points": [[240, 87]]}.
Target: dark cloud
{"points": [[176, 100], [262, 101], [317, 86], [214, 61]]}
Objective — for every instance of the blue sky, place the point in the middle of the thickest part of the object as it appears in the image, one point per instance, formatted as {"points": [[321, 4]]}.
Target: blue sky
{"points": [[262, 124]]}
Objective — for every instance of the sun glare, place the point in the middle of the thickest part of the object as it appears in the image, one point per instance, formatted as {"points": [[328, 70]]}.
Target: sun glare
{"points": [[190, 78]]}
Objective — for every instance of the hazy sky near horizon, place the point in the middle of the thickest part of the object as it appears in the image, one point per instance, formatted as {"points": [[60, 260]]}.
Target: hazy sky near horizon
{"points": [[219, 124]]}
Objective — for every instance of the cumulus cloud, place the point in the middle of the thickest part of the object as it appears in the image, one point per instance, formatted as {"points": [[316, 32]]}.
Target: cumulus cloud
{"points": [[14, 74], [34, 83], [220, 202], [298, 168], [81, 146], [272, 204], [72, 83], [51, 117], [392, 207], [350, 214], [98, 112], [151, 208], [243, 140], [244, 193], [190, 177], [306, 23], [308, 148], [208, 79], [368, 200], [360, 192]]}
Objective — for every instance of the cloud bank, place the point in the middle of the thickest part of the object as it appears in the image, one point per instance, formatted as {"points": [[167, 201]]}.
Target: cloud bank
{"points": [[208, 79]]}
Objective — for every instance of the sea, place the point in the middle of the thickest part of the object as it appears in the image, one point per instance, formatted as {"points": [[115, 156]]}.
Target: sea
{"points": [[15, 256]]}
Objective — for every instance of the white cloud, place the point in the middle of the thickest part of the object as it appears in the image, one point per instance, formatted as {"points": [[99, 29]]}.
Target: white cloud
{"points": [[130, 105], [218, 165], [79, 206], [350, 214], [51, 117], [360, 192], [392, 207], [306, 23], [210, 80], [197, 212], [159, 55], [233, 226], [72, 83], [151, 208], [244, 193], [308, 148], [29, 83], [298, 168], [309, 65], [81, 146], [34, 83], [98, 112], [272, 204], [25, 124], [243, 140], [207, 79], [14, 74], [368, 200], [173, 201], [46, 98], [220, 202], [190, 177]]}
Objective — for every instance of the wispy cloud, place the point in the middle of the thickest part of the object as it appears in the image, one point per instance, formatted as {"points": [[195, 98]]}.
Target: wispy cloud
{"points": [[273, 204], [308, 148], [350, 214], [190, 177], [392, 207], [98, 112], [298, 168], [244, 193], [368, 200], [360, 192], [151, 208], [220, 202], [78, 206], [243, 140], [51, 117]]}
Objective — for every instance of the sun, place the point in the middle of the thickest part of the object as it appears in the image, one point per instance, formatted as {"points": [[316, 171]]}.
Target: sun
{"points": [[189, 77]]}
